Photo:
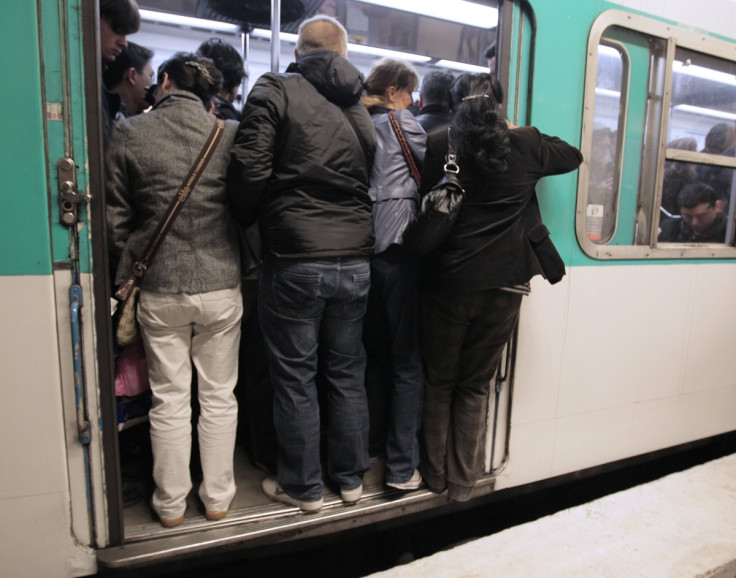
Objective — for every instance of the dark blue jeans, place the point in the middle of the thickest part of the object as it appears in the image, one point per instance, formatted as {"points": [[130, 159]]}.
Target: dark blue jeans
{"points": [[394, 376], [463, 336], [311, 315]]}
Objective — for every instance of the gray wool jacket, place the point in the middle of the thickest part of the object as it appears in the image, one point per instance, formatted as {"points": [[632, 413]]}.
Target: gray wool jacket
{"points": [[147, 159]]}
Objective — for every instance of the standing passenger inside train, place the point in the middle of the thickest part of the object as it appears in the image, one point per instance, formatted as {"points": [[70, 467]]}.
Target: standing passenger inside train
{"points": [[300, 166], [476, 279], [129, 77], [394, 376], [118, 19], [230, 64], [190, 303], [434, 100]]}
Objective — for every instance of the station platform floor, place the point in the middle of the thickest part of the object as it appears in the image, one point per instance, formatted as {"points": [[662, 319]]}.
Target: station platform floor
{"points": [[680, 526]]}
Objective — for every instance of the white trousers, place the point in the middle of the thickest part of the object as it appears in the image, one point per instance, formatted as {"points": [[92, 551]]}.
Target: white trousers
{"points": [[179, 329]]}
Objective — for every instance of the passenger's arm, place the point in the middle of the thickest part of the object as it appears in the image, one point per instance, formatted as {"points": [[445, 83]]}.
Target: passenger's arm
{"points": [[252, 156], [556, 156], [415, 136]]}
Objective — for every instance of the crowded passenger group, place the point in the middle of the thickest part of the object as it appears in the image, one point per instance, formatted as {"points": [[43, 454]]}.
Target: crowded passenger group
{"points": [[269, 250]]}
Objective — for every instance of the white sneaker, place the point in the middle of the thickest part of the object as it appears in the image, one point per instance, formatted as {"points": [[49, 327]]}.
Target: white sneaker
{"points": [[351, 496], [272, 489], [412, 483]]}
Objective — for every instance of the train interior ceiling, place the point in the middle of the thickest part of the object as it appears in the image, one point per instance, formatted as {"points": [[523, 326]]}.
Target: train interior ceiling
{"points": [[169, 26], [375, 30]]}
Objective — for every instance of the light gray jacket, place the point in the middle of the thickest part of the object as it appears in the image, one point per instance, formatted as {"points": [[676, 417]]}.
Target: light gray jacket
{"points": [[394, 193], [148, 157]]}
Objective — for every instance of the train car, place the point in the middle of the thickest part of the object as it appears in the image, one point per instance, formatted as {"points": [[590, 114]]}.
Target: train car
{"points": [[627, 357]]}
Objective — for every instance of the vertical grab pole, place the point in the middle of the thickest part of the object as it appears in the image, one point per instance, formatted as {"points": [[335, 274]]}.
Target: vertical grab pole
{"points": [[275, 34]]}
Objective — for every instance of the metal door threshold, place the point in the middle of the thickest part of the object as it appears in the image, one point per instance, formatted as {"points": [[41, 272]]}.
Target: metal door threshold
{"points": [[252, 527]]}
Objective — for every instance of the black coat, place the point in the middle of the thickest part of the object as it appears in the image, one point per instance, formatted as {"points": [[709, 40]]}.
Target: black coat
{"points": [[298, 165], [499, 239]]}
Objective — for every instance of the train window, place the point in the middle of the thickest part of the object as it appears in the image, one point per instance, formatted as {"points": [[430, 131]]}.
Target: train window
{"points": [[659, 141]]}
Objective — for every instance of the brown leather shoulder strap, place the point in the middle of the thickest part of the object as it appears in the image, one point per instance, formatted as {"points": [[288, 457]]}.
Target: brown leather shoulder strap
{"points": [[404, 146]]}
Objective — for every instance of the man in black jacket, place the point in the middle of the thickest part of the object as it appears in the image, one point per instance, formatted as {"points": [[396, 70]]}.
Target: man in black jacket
{"points": [[300, 166], [434, 100], [701, 221]]}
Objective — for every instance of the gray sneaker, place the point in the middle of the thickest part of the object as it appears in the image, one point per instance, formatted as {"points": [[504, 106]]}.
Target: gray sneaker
{"points": [[272, 489], [412, 483], [351, 496]]}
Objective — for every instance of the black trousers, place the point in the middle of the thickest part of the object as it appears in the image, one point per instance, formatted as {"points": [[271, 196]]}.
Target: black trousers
{"points": [[463, 337]]}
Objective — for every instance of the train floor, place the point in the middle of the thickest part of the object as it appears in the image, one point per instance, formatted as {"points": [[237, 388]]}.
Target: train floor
{"points": [[681, 525]]}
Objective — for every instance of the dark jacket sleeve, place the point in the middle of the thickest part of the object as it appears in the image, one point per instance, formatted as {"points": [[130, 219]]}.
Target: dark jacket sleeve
{"points": [[251, 159], [556, 156]]}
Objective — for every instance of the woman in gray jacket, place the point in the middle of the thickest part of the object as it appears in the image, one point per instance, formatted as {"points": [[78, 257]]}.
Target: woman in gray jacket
{"points": [[394, 377], [190, 302]]}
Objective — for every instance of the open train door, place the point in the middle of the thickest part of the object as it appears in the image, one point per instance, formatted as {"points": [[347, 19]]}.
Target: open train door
{"points": [[52, 496], [514, 66]]}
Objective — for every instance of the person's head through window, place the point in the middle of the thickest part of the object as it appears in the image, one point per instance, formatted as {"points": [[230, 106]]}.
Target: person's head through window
{"points": [[698, 207], [118, 19]]}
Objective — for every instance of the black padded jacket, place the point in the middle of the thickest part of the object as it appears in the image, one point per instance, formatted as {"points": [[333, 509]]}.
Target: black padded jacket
{"points": [[300, 166]]}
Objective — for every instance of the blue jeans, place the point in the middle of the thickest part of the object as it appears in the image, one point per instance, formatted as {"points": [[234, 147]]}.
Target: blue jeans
{"points": [[311, 315], [394, 378]]}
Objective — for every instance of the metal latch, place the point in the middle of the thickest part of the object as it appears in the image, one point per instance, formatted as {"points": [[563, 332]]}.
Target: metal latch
{"points": [[69, 196]]}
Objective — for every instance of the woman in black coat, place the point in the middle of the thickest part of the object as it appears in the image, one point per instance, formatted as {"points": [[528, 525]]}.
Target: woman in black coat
{"points": [[476, 279]]}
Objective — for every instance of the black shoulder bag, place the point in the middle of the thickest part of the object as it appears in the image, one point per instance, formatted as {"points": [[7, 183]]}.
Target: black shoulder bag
{"points": [[439, 209]]}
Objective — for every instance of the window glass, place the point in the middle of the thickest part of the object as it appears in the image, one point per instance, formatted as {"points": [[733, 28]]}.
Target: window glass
{"points": [[659, 143]]}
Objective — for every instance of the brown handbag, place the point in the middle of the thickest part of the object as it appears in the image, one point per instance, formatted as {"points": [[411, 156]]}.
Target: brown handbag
{"points": [[126, 330]]}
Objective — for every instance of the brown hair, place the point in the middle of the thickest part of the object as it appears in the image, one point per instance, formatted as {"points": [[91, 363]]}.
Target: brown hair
{"points": [[385, 73]]}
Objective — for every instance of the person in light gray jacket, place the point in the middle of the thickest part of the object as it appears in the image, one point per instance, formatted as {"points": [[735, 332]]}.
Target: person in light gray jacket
{"points": [[394, 377], [190, 302]]}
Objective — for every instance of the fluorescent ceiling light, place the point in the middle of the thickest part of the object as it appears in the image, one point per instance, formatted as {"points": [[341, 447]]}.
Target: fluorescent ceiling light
{"points": [[704, 73], [468, 13], [352, 48], [607, 92], [704, 111], [266, 34], [383, 52], [462, 66], [151, 16]]}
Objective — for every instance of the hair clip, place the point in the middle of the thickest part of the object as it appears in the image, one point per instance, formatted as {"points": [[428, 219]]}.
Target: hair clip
{"points": [[199, 66], [476, 96]]}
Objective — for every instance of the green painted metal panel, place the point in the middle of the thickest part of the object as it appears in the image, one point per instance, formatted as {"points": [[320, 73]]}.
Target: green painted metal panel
{"points": [[25, 247], [64, 89]]}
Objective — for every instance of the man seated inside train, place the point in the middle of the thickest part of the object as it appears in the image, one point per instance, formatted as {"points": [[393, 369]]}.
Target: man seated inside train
{"points": [[701, 221], [129, 77]]}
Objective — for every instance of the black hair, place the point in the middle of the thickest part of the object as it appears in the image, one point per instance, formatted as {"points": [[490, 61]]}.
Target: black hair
{"points": [[227, 61], [694, 194], [436, 87], [122, 15], [719, 138], [490, 51], [193, 73], [480, 132], [132, 56]]}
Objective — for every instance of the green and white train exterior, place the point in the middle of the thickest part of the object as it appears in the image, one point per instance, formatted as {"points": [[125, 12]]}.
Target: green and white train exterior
{"points": [[630, 354]]}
